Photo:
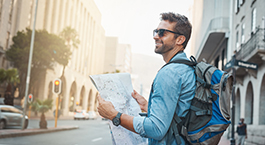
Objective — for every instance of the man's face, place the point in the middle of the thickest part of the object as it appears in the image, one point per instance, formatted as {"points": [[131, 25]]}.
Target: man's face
{"points": [[167, 42]]}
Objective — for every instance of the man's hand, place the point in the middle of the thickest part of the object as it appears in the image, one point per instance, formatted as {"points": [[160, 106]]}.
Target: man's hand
{"points": [[140, 100], [106, 108]]}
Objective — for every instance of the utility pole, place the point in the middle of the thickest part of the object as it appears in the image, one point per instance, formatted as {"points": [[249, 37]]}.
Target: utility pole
{"points": [[29, 67], [232, 140]]}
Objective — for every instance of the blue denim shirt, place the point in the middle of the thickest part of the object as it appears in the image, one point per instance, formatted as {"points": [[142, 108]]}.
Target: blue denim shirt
{"points": [[173, 89]]}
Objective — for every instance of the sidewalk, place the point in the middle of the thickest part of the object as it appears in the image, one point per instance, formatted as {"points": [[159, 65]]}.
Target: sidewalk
{"points": [[52, 118], [224, 141], [5, 133]]}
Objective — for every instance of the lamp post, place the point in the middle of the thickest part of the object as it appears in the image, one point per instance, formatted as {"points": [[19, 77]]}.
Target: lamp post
{"points": [[29, 67], [232, 140]]}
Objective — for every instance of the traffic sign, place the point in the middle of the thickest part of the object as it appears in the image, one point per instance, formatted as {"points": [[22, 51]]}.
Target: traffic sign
{"points": [[229, 65], [247, 65], [240, 63]]}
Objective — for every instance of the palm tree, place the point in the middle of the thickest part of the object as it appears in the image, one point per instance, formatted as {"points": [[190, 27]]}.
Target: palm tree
{"points": [[70, 36], [11, 77], [42, 107]]}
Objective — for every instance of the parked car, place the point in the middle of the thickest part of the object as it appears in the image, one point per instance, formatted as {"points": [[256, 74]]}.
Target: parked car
{"points": [[80, 114], [92, 115], [11, 116]]}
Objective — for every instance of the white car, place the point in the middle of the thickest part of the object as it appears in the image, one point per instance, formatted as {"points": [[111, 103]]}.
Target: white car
{"points": [[11, 116], [81, 114], [92, 115]]}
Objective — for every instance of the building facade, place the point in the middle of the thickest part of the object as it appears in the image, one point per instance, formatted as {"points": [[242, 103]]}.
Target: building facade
{"points": [[226, 28], [118, 57], [54, 16]]}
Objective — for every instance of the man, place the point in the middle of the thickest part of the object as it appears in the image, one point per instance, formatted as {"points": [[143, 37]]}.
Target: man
{"points": [[242, 132], [172, 89]]}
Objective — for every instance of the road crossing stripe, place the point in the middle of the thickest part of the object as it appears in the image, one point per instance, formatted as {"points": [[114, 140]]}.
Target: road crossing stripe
{"points": [[97, 139]]}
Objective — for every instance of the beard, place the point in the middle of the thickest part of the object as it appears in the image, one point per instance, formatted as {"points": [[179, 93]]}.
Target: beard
{"points": [[164, 48]]}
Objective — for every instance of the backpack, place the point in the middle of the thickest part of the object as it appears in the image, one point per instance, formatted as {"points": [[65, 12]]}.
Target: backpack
{"points": [[209, 113]]}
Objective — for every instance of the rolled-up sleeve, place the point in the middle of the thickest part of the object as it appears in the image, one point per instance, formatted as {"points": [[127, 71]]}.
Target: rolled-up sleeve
{"points": [[138, 125], [161, 109]]}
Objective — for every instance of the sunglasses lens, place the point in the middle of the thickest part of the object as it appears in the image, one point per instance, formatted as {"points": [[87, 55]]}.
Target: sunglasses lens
{"points": [[160, 32], [155, 32]]}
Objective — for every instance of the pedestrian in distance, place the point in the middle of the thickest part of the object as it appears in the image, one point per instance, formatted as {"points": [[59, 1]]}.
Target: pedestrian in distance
{"points": [[241, 131], [172, 90]]}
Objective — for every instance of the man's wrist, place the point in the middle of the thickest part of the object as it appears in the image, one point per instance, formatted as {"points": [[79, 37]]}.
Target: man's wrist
{"points": [[114, 115], [117, 119]]}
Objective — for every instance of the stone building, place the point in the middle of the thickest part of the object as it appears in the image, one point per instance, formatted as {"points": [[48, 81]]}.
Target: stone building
{"points": [[222, 28], [54, 16], [118, 57]]}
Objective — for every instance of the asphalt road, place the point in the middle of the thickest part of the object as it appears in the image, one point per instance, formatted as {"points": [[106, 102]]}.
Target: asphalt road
{"points": [[90, 132]]}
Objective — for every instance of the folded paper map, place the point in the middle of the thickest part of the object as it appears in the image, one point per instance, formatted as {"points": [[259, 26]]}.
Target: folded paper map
{"points": [[117, 89]]}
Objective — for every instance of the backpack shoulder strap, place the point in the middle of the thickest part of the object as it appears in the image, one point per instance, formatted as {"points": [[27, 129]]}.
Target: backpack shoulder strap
{"points": [[192, 62]]}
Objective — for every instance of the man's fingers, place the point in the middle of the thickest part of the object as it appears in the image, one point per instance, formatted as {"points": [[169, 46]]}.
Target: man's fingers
{"points": [[100, 100], [134, 94]]}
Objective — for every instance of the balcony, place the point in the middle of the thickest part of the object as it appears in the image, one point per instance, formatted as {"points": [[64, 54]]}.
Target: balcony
{"points": [[214, 34], [252, 51]]}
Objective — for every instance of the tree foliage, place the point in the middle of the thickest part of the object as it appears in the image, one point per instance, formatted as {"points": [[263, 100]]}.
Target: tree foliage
{"points": [[70, 36], [42, 106], [10, 76], [48, 49]]}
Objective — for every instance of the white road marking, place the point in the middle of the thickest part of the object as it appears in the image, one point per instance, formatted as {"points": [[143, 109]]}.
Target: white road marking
{"points": [[97, 139]]}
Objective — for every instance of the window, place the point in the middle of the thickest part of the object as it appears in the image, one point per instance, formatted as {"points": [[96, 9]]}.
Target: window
{"points": [[253, 20], [10, 10], [61, 3], [237, 40], [243, 33], [1, 6], [241, 2], [7, 39], [14, 110], [223, 58], [5, 109], [216, 62], [3, 62], [238, 3], [30, 13], [46, 13], [236, 6]]}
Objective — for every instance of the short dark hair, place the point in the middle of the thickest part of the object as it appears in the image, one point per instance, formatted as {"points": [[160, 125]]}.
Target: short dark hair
{"points": [[182, 26]]}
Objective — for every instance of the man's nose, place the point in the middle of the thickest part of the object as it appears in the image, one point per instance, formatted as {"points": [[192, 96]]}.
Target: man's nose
{"points": [[155, 36]]}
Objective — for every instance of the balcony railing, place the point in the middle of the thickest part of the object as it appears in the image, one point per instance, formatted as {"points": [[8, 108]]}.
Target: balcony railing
{"points": [[256, 42]]}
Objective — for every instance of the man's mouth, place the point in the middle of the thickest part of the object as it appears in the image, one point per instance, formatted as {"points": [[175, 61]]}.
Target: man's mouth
{"points": [[158, 43]]}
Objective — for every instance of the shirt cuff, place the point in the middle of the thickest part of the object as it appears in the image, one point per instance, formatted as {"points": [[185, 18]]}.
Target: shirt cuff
{"points": [[138, 125]]}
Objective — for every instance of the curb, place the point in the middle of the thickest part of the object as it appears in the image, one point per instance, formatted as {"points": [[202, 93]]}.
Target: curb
{"points": [[18, 132]]}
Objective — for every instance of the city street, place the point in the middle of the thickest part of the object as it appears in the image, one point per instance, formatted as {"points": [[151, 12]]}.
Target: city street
{"points": [[90, 132]]}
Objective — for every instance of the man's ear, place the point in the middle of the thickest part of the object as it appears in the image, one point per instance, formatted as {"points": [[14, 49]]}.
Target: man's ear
{"points": [[180, 40]]}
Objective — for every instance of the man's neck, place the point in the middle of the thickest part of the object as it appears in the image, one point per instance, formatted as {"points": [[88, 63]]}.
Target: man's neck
{"points": [[169, 55]]}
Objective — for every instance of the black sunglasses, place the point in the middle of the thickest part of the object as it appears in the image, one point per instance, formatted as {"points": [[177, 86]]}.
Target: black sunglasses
{"points": [[161, 32]]}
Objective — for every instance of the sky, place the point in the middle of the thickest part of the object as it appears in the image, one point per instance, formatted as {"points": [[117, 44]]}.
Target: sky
{"points": [[133, 21]]}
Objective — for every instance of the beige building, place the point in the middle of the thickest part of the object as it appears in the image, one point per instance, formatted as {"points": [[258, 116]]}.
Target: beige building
{"points": [[117, 56], [54, 16]]}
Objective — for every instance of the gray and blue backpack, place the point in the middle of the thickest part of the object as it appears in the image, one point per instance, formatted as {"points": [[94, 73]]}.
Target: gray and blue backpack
{"points": [[209, 114]]}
